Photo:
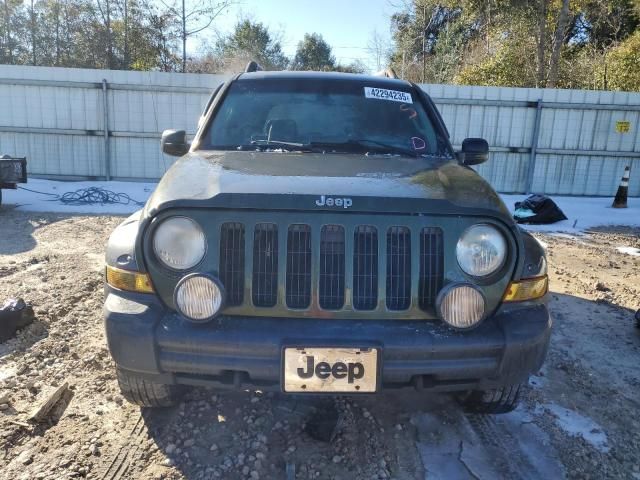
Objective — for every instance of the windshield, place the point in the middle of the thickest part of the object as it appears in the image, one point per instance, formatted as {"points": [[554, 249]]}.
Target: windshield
{"points": [[331, 116]]}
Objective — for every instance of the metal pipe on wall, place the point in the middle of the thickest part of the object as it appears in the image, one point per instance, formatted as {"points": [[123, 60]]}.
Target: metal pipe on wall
{"points": [[105, 120], [534, 146]]}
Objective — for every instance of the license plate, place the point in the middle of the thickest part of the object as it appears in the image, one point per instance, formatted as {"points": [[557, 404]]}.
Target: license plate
{"points": [[345, 370]]}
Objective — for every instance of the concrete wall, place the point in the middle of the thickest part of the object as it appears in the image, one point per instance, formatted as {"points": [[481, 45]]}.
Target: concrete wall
{"points": [[549, 141]]}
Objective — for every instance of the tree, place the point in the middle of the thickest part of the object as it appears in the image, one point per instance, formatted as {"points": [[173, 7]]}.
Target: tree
{"points": [[313, 53], [195, 16], [354, 67], [253, 41], [378, 48], [492, 42], [558, 40], [542, 35], [509, 65], [417, 34], [104, 7], [623, 65], [12, 24]]}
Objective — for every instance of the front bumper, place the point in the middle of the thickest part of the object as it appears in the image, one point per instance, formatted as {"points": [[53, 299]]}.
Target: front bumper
{"points": [[243, 352]]}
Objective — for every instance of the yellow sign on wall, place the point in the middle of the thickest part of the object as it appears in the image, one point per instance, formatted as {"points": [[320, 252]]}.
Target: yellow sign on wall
{"points": [[623, 126]]}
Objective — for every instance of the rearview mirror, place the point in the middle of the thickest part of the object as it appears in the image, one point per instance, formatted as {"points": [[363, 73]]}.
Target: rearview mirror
{"points": [[174, 142], [474, 151]]}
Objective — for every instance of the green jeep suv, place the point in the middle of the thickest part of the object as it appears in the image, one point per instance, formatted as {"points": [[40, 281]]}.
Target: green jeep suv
{"points": [[321, 235]]}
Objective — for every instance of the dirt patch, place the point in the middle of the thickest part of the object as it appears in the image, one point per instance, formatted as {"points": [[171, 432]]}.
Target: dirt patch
{"points": [[588, 392]]}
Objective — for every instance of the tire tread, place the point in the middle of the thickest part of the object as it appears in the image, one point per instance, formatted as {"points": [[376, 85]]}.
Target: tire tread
{"points": [[495, 401], [146, 393]]}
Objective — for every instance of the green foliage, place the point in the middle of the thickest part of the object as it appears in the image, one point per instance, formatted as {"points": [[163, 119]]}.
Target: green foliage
{"points": [[313, 53], [355, 67], [73, 33], [623, 65], [518, 43], [510, 65], [253, 41]]}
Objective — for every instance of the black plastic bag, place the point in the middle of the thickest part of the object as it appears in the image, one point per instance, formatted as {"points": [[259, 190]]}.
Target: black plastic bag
{"points": [[14, 315], [538, 209]]}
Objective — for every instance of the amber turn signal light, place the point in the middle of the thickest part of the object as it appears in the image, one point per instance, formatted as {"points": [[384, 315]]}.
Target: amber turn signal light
{"points": [[128, 280], [527, 289]]}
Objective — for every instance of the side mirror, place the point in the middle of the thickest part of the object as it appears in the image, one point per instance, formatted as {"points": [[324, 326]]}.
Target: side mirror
{"points": [[174, 142], [474, 151]]}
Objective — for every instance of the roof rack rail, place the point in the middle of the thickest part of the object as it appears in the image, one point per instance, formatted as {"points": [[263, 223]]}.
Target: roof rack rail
{"points": [[389, 73], [253, 66]]}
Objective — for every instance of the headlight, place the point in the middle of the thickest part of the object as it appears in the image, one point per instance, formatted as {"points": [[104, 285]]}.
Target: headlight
{"points": [[198, 297], [481, 250], [461, 306], [179, 243]]}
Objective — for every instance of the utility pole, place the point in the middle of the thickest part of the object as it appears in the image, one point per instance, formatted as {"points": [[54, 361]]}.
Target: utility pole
{"points": [[424, 41], [126, 35], [7, 32], [109, 36], [33, 33], [184, 37]]}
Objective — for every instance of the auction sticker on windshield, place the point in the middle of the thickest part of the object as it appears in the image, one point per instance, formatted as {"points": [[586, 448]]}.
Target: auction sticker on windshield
{"points": [[384, 94]]}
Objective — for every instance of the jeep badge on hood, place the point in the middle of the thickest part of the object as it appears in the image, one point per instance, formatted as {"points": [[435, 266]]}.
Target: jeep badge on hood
{"points": [[325, 201]]}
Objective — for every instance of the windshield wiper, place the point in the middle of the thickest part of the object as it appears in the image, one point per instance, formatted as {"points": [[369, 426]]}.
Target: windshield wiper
{"points": [[277, 143], [373, 146]]}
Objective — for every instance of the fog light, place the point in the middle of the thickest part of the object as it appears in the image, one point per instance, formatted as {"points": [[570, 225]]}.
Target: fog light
{"points": [[461, 306], [198, 297], [527, 289]]}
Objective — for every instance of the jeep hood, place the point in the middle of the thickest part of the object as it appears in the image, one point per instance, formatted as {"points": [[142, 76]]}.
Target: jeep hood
{"points": [[272, 180]]}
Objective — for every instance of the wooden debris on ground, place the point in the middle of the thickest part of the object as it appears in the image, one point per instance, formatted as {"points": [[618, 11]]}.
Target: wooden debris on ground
{"points": [[41, 412]]}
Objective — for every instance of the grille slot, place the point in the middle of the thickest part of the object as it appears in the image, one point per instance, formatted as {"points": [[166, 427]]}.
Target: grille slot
{"points": [[298, 281], [331, 286], [431, 266], [398, 268], [365, 267], [265, 265], [232, 262]]}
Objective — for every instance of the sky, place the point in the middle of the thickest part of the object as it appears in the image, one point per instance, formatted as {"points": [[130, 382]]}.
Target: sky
{"points": [[347, 25]]}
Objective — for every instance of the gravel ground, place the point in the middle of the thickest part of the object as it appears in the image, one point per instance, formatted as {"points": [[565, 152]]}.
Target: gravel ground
{"points": [[579, 420]]}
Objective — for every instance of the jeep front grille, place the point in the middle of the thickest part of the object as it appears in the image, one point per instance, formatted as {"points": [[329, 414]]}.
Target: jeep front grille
{"points": [[431, 268], [298, 280], [365, 267], [331, 290], [330, 267], [265, 265], [398, 268], [232, 261]]}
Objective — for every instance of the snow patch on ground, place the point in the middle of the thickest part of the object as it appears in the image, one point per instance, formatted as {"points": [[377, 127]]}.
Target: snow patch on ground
{"points": [[5, 371], [577, 237], [629, 251], [582, 212], [453, 444], [537, 382], [29, 200], [577, 425]]}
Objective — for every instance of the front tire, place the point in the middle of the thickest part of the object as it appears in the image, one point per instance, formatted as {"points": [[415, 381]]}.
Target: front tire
{"points": [[146, 393], [494, 401]]}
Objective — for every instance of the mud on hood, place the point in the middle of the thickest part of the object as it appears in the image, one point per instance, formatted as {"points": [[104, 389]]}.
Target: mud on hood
{"points": [[373, 183]]}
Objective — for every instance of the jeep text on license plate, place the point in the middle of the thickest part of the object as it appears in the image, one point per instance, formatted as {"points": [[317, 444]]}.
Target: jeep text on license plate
{"points": [[351, 370]]}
